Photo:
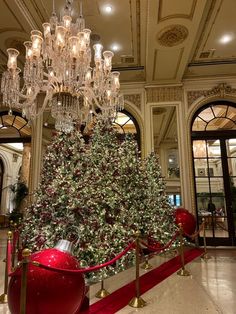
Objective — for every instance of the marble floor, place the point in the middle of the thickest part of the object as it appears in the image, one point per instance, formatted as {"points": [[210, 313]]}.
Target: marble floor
{"points": [[210, 289]]}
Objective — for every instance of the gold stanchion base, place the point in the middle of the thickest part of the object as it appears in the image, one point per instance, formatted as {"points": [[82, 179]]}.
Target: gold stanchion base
{"points": [[146, 265], [3, 298], [183, 272], [102, 293], [206, 256], [137, 302]]}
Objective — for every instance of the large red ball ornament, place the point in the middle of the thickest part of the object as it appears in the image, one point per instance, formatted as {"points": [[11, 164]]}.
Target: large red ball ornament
{"points": [[49, 292], [187, 220]]}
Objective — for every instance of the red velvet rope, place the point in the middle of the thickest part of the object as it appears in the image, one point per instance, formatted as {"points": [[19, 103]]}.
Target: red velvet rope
{"points": [[8, 261], [151, 248], [16, 235], [195, 234], [88, 269]]}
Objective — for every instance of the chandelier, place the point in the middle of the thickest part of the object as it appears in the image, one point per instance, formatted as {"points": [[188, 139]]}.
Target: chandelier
{"points": [[58, 65]]}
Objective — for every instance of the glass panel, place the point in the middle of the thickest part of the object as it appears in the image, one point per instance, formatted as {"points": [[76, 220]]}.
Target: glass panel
{"points": [[220, 110], [219, 201], [213, 148], [178, 200], [207, 114], [233, 196], [171, 199], [208, 223], [199, 125], [200, 166], [220, 123], [129, 127], [25, 131], [202, 186], [217, 186], [214, 167], [199, 149], [221, 227], [118, 128], [202, 201], [8, 120], [231, 147], [231, 113], [122, 118], [19, 122]]}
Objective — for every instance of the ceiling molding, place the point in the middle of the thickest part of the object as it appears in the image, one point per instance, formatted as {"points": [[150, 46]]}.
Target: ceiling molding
{"points": [[210, 12], [178, 15], [25, 12]]}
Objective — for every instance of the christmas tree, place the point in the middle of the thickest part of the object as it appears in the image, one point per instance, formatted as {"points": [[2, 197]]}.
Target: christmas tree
{"points": [[47, 220], [97, 196]]}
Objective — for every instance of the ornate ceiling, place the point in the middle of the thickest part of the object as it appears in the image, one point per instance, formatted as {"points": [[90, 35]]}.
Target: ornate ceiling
{"points": [[159, 41]]}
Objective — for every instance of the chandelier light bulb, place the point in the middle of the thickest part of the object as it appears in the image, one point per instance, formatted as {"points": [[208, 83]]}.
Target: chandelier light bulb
{"points": [[28, 49], [36, 37], [82, 42], [12, 58], [60, 36], [46, 29], [116, 81], [67, 21], [74, 46], [107, 60], [97, 52]]}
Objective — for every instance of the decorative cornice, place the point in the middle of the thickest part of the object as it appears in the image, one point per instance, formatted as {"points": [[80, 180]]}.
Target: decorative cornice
{"points": [[135, 99], [221, 91], [160, 94]]}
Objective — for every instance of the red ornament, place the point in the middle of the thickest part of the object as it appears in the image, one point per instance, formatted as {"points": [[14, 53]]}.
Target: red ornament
{"points": [[187, 220], [49, 292]]}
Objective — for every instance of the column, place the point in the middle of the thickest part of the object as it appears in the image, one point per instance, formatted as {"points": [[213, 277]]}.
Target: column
{"points": [[36, 151]]}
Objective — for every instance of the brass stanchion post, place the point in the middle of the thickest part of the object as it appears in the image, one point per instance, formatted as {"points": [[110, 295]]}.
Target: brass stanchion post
{"points": [[102, 293], [205, 255], [137, 301], [3, 297], [146, 265], [25, 262], [182, 271]]}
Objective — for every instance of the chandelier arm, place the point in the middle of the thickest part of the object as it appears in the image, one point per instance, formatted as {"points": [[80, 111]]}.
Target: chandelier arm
{"points": [[89, 90], [46, 99]]}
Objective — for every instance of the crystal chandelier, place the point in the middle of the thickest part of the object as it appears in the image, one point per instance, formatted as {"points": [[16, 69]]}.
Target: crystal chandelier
{"points": [[58, 64]]}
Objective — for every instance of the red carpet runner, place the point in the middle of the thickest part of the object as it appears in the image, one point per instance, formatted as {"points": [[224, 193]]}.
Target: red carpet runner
{"points": [[121, 297]]}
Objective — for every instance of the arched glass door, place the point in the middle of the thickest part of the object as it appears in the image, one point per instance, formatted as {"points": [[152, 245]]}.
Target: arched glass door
{"points": [[214, 162]]}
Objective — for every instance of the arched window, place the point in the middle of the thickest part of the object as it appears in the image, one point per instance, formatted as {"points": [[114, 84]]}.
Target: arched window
{"points": [[126, 123], [14, 128], [214, 159]]}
